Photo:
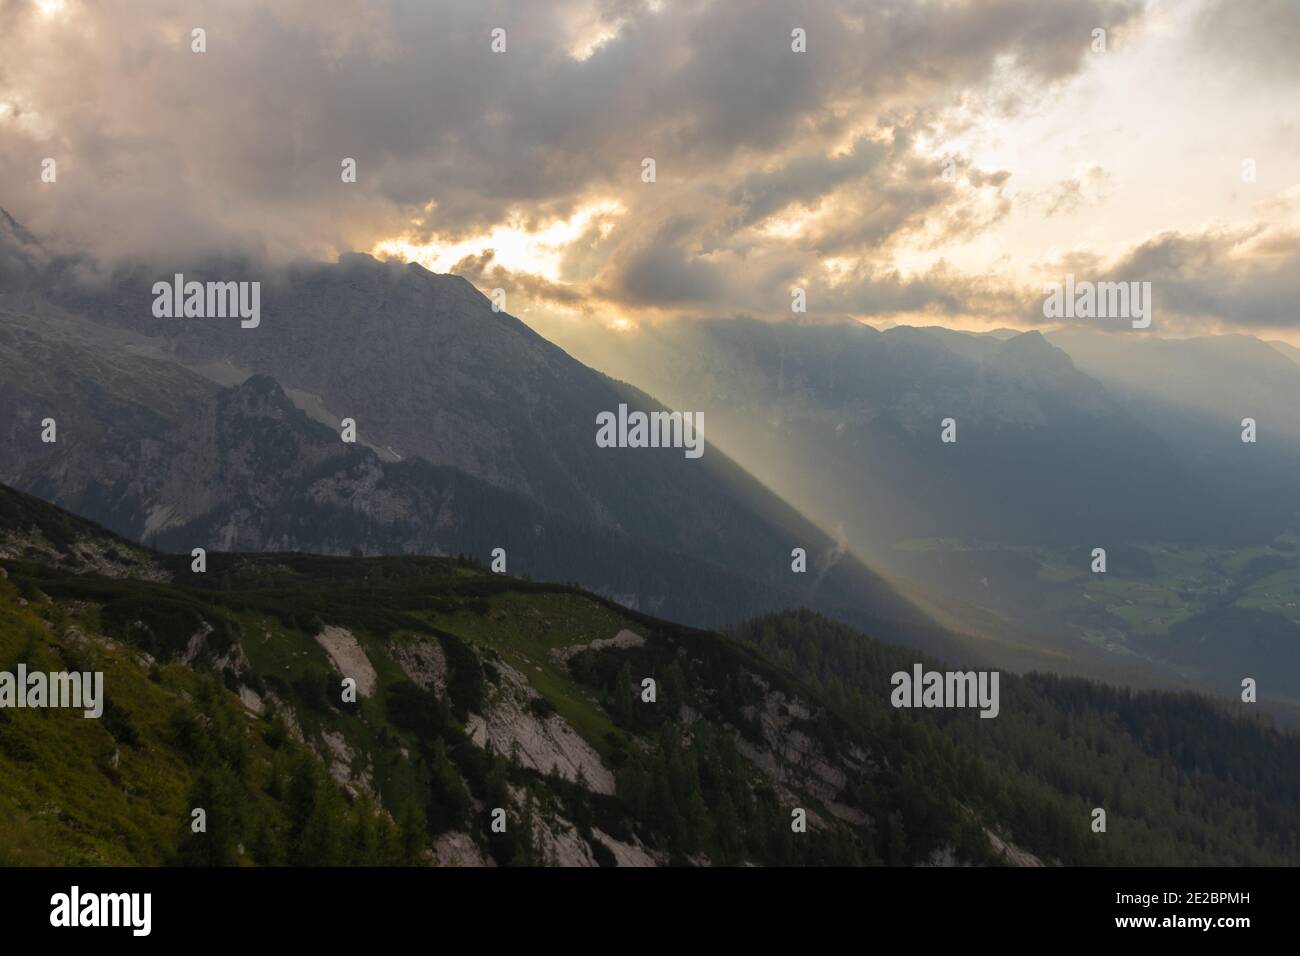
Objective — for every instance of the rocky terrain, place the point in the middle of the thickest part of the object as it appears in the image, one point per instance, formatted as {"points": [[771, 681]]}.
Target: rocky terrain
{"points": [[472, 433]]}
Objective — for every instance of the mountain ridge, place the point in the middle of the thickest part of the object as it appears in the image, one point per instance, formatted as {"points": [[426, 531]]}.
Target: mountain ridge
{"points": [[154, 470], [483, 691]]}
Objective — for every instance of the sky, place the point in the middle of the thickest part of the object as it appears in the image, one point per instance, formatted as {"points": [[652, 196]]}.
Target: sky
{"points": [[915, 163]]}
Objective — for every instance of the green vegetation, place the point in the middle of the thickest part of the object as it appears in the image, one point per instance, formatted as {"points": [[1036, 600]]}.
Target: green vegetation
{"points": [[120, 789], [1179, 606], [221, 695], [1182, 781]]}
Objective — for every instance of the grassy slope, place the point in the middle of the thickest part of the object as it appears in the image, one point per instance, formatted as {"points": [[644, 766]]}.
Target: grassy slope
{"points": [[64, 801], [116, 790]]}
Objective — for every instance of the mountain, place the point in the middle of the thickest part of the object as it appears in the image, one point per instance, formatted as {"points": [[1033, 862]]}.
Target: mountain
{"points": [[473, 433], [158, 452], [1064, 444], [480, 692], [1194, 393], [1042, 448], [1287, 349]]}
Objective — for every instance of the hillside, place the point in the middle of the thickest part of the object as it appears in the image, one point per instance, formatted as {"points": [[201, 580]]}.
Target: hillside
{"points": [[480, 691], [1037, 436], [473, 433], [1065, 443]]}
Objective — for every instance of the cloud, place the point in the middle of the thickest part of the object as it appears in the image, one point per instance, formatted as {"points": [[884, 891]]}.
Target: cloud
{"points": [[1261, 37], [1091, 186], [773, 166], [1242, 278]]}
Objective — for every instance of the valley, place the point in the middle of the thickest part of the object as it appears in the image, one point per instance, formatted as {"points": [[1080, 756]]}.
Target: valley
{"points": [[992, 535], [1175, 606]]}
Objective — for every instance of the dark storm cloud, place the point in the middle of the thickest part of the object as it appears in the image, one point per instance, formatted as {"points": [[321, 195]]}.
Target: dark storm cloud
{"points": [[664, 273], [805, 178], [161, 149]]}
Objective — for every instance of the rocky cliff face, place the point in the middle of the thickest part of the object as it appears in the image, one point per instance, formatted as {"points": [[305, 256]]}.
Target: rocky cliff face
{"points": [[473, 433], [160, 453]]}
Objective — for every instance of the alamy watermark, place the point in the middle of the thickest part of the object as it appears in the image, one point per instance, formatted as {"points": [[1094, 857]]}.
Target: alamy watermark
{"points": [[651, 430], [75, 908], [80, 691], [1099, 300], [923, 688], [208, 300]]}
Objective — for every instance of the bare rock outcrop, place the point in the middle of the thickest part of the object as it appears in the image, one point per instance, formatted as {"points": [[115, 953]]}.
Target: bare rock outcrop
{"points": [[544, 743], [348, 657]]}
